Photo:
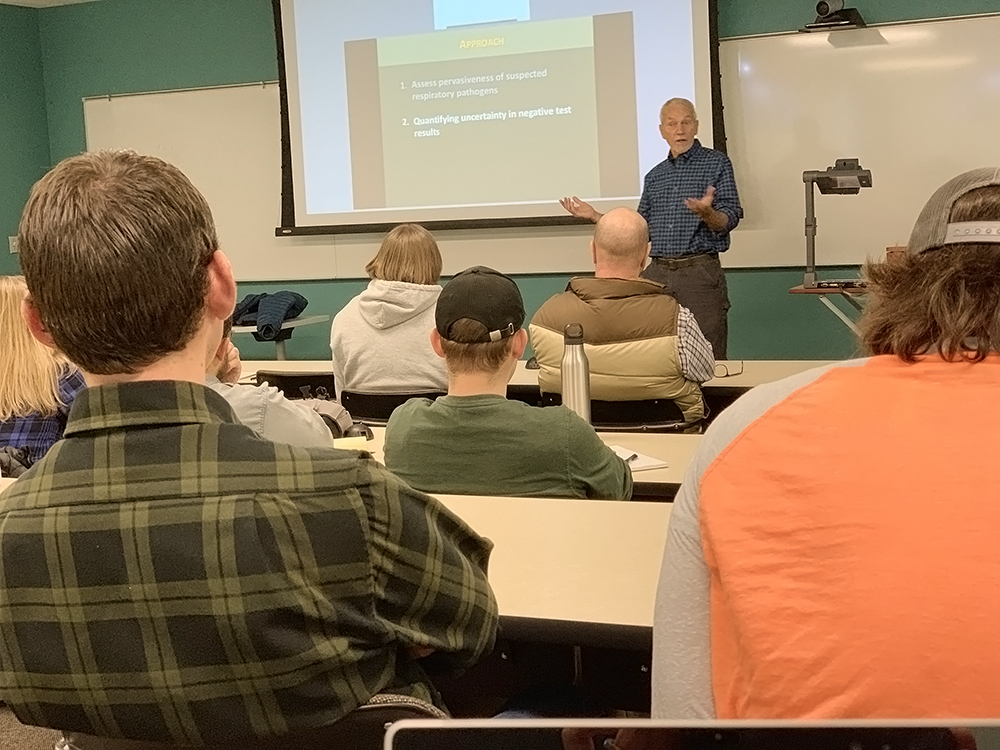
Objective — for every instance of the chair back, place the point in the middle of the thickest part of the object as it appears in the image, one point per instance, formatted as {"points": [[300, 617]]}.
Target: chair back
{"points": [[362, 729], [529, 394], [376, 408], [297, 385], [651, 415]]}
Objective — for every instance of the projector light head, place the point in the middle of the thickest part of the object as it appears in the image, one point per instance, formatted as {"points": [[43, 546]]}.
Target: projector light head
{"points": [[846, 177], [825, 8]]}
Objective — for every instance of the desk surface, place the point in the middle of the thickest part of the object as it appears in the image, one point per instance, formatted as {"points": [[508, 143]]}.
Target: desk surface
{"points": [[250, 367], [675, 450], [568, 561], [758, 371], [751, 371], [585, 561]]}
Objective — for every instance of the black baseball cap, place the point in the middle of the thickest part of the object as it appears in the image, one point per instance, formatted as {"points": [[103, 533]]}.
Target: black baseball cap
{"points": [[484, 295]]}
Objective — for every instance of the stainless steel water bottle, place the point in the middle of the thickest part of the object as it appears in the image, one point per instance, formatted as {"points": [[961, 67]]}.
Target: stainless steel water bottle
{"points": [[575, 372]]}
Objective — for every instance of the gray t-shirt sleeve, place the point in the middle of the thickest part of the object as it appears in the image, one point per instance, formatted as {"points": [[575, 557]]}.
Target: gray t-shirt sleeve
{"points": [[682, 666]]}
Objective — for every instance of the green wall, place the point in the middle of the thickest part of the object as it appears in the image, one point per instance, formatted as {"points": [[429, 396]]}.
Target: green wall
{"points": [[125, 46], [119, 46], [24, 138], [745, 17]]}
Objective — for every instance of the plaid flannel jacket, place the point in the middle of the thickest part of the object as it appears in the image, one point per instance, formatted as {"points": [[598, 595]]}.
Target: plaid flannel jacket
{"points": [[38, 432], [165, 574], [674, 229]]}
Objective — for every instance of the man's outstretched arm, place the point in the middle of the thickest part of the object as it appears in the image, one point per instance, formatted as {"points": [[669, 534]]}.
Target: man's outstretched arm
{"points": [[580, 209]]}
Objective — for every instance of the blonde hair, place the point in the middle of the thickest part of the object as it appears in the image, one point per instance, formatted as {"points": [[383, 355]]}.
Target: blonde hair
{"points": [[408, 253], [29, 370]]}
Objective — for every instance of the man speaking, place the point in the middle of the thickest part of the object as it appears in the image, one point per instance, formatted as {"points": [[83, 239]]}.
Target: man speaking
{"points": [[691, 205]]}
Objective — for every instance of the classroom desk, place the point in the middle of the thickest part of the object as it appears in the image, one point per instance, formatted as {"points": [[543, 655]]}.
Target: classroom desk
{"points": [[289, 326], [751, 372], [250, 367], [575, 582], [720, 391], [578, 572], [601, 561], [652, 484]]}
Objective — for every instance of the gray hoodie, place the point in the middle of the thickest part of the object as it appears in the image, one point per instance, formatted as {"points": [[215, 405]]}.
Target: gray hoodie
{"points": [[381, 340]]}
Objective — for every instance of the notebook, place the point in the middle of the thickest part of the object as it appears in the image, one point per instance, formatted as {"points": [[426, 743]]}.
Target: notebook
{"points": [[638, 461]]}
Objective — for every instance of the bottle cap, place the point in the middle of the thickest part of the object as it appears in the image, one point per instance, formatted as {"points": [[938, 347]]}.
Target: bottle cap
{"points": [[573, 333]]}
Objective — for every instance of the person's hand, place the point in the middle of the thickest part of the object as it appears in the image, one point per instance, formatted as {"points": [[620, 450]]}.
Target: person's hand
{"points": [[702, 206], [580, 209], [419, 652], [231, 367]]}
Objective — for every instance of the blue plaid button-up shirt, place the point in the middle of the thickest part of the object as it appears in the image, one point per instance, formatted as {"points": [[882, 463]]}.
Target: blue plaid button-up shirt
{"points": [[674, 229], [38, 432]]}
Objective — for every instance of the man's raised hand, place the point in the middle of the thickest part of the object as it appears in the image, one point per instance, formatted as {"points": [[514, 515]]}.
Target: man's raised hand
{"points": [[702, 206], [580, 209]]}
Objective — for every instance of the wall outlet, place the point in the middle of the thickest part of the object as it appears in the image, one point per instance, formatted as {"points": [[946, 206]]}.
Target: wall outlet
{"points": [[12, 241]]}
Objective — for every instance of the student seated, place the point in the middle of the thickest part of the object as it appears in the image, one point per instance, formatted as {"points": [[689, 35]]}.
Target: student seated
{"points": [[832, 553], [176, 577], [474, 441], [640, 342], [263, 408], [379, 340], [37, 384]]}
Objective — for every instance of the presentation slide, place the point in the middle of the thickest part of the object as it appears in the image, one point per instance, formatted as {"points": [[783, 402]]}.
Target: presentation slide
{"points": [[422, 111]]}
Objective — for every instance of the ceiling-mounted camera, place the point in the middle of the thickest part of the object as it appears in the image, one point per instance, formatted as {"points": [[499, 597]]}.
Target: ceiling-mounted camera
{"points": [[831, 15]]}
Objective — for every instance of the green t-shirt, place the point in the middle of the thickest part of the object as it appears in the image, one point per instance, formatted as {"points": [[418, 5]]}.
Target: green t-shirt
{"points": [[488, 445]]}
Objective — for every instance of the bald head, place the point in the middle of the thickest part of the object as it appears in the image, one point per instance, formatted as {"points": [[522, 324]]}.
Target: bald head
{"points": [[679, 105], [621, 243]]}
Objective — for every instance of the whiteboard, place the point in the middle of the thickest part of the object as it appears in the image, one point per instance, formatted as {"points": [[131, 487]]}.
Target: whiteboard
{"points": [[227, 140], [916, 103]]}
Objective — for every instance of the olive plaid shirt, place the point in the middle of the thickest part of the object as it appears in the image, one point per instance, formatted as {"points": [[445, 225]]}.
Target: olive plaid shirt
{"points": [[165, 574]]}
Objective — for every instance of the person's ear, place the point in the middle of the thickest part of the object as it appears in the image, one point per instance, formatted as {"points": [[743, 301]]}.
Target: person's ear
{"points": [[593, 252], [663, 131], [436, 343], [519, 344], [221, 299], [34, 320]]}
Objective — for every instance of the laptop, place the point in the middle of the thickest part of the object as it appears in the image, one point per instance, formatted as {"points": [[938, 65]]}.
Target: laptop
{"points": [[646, 734]]}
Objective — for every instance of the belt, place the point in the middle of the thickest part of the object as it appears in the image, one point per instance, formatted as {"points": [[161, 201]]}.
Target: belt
{"points": [[686, 260]]}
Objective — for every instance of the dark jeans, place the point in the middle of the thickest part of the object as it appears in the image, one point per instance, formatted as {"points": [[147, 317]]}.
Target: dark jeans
{"points": [[698, 283]]}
